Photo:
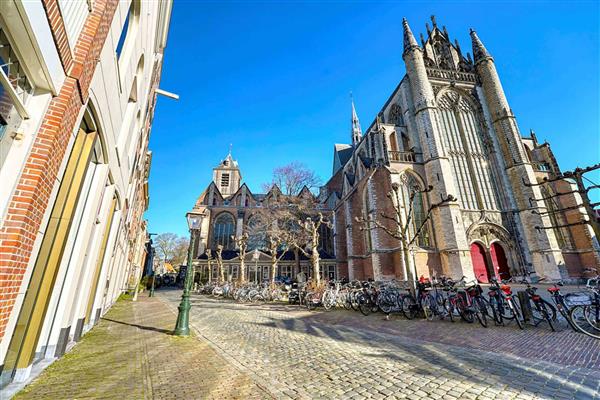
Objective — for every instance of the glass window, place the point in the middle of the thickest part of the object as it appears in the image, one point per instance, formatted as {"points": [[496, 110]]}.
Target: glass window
{"points": [[123, 36], [223, 230], [418, 214]]}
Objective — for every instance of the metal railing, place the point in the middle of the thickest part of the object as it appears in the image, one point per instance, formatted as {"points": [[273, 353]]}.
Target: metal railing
{"points": [[403, 156]]}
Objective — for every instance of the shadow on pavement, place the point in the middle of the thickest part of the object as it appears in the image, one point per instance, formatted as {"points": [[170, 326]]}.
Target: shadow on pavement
{"points": [[146, 328]]}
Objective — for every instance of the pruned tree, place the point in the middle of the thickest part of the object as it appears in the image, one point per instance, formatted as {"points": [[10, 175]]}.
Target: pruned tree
{"points": [[208, 263], [399, 224], [307, 242], [269, 226], [291, 178], [219, 260], [242, 249]]}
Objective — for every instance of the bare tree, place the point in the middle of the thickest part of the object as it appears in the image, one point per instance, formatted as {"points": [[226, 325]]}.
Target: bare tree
{"points": [[307, 242], [208, 263], [180, 251], [269, 229], [242, 246], [399, 224], [219, 260], [171, 248], [291, 178]]}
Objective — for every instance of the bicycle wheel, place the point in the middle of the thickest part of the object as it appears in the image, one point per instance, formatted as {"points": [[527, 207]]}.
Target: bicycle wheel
{"points": [[515, 312], [347, 301], [428, 307], [481, 311], [385, 303], [465, 313], [409, 306], [354, 301], [328, 300], [364, 304], [540, 313], [449, 307], [587, 319], [495, 307]]}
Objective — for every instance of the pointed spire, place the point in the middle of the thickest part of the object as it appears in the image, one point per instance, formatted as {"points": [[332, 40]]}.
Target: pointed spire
{"points": [[479, 50], [356, 131], [433, 21], [409, 38]]}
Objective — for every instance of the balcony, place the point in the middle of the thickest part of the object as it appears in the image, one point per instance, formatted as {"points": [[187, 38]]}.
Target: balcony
{"points": [[541, 166], [404, 156]]}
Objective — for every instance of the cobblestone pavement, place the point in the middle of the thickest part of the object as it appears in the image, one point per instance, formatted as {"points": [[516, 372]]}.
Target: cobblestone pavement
{"points": [[131, 354], [299, 354]]}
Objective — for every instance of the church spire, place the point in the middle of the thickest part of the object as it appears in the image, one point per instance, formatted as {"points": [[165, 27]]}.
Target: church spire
{"points": [[356, 131], [479, 50], [409, 39]]}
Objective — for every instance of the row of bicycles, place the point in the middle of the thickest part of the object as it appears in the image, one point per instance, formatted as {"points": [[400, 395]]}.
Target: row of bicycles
{"points": [[436, 298], [246, 293], [444, 298]]}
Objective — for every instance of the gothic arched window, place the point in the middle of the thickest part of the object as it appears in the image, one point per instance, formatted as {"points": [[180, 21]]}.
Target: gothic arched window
{"points": [[223, 230], [257, 233], [395, 115], [463, 141], [367, 215], [416, 212]]}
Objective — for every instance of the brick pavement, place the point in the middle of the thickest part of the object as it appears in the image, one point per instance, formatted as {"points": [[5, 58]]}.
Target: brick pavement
{"points": [[279, 351], [132, 355], [299, 354]]}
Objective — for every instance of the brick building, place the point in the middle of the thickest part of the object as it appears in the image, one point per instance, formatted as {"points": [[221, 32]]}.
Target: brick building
{"points": [[448, 125], [230, 210], [77, 96]]}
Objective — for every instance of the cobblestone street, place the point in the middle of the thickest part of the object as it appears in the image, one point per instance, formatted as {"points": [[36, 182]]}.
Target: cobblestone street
{"points": [[258, 351], [341, 354]]}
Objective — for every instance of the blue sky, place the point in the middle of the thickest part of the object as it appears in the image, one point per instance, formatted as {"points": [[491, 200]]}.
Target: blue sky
{"points": [[273, 79]]}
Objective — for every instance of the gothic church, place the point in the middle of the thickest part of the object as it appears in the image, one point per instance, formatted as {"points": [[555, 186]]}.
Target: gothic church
{"points": [[448, 124]]}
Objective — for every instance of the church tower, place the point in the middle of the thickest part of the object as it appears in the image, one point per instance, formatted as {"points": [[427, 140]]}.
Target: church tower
{"points": [[541, 242], [447, 219], [227, 176]]}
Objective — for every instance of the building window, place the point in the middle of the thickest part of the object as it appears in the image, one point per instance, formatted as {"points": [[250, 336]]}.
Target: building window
{"points": [[367, 215], [223, 231], [411, 187], [257, 233], [225, 180], [463, 142], [129, 27], [15, 88]]}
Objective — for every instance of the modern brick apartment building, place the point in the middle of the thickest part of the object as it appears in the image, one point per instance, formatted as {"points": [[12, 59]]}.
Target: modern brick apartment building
{"points": [[77, 97], [448, 125]]}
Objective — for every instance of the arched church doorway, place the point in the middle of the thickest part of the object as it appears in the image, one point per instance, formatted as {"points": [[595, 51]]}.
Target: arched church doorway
{"points": [[479, 263], [499, 261]]}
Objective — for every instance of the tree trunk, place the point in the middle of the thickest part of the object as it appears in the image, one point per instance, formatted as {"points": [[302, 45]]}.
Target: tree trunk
{"points": [[221, 271], [242, 277], [273, 268], [315, 261]]}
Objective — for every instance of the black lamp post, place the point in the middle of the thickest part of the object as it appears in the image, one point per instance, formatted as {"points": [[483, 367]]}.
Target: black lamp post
{"points": [[183, 326]]}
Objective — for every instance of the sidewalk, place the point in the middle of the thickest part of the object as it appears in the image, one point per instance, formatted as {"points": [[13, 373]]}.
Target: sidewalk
{"points": [[131, 354]]}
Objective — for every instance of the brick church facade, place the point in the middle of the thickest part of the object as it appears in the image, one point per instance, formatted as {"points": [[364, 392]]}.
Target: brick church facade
{"points": [[448, 124]]}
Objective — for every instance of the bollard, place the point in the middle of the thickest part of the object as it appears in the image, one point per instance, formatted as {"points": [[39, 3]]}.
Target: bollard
{"points": [[525, 305]]}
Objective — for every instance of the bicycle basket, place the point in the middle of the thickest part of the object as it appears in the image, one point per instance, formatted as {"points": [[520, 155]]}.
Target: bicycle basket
{"points": [[578, 299]]}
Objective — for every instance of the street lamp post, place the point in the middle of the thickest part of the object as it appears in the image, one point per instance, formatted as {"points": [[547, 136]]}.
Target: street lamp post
{"points": [[153, 278], [183, 326]]}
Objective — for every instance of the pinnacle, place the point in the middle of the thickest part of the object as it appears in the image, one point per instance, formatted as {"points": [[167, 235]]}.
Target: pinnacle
{"points": [[479, 50], [409, 39]]}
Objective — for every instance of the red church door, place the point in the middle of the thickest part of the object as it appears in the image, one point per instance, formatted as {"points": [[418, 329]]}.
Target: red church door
{"points": [[479, 264], [499, 260]]}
